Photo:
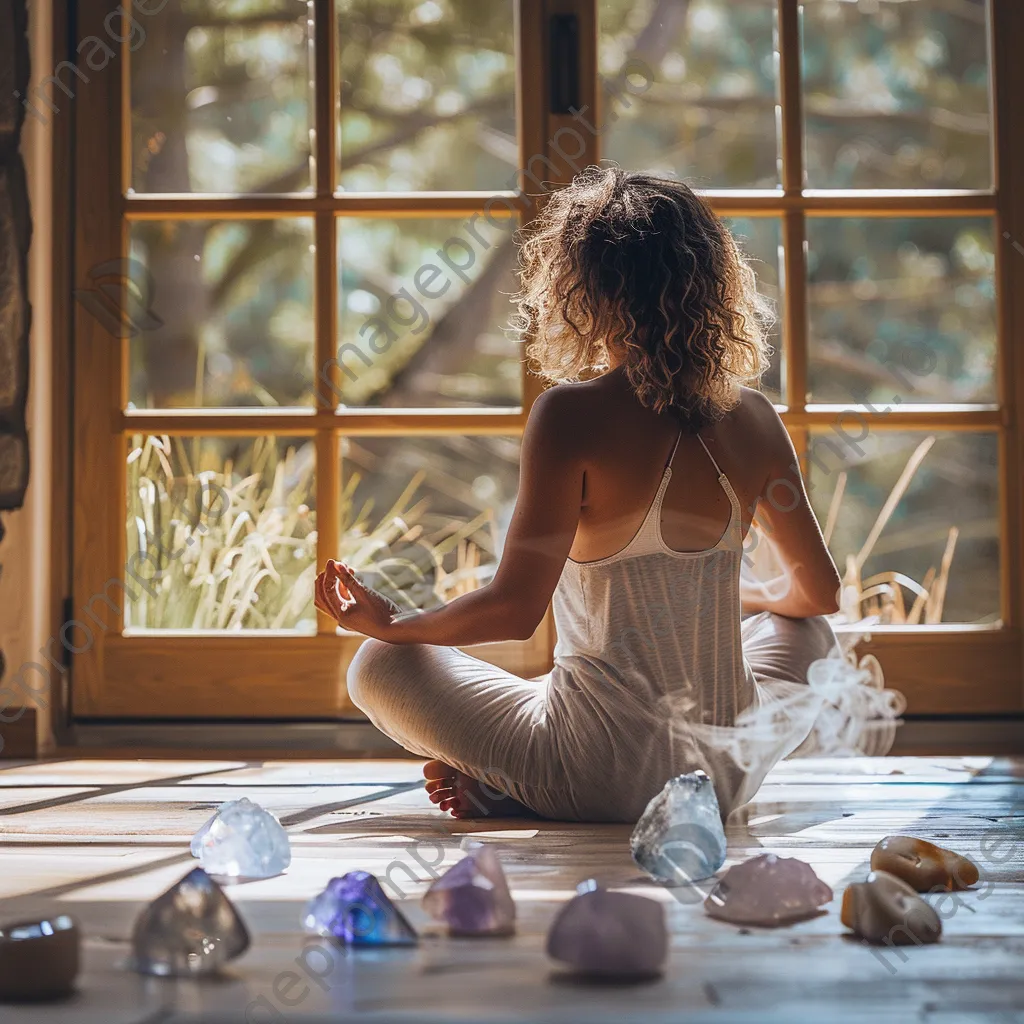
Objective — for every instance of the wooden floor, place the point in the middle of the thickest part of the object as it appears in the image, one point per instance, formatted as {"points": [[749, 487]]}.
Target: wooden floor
{"points": [[97, 839]]}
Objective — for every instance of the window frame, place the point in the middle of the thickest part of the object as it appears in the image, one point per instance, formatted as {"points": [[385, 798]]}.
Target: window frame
{"points": [[180, 675]]}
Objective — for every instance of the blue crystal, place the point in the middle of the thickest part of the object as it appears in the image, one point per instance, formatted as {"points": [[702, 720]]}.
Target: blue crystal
{"points": [[679, 838], [355, 911]]}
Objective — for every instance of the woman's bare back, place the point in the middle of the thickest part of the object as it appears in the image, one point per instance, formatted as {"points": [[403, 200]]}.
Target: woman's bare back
{"points": [[629, 447]]}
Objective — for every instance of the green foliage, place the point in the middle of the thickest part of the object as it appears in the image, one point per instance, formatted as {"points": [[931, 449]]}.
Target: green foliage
{"points": [[896, 96], [224, 534]]}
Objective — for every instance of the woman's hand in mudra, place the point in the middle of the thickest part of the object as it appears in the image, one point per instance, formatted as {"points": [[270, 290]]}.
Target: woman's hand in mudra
{"points": [[339, 593]]}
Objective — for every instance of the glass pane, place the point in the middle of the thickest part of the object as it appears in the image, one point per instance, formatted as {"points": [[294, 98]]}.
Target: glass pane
{"points": [[221, 533], [942, 539], [226, 313], [760, 238], [221, 96], [902, 310], [424, 518], [690, 89], [896, 94], [427, 95], [424, 311]]}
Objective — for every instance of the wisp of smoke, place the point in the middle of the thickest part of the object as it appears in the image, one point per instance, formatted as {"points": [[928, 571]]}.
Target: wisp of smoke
{"points": [[844, 710]]}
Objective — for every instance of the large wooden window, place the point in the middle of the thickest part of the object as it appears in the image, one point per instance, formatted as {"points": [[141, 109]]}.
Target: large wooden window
{"points": [[293, 249]]}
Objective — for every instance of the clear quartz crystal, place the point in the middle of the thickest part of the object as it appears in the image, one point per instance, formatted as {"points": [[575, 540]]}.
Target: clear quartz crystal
{"points": [[679, 838], [473, 897], [242, 840], [768, 890], [192, 929], [609, 934], [355, 911]]}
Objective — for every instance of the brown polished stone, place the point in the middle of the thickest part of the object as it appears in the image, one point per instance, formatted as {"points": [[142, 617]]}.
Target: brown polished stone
{"points": [[885, 909], [923, 865], [38, 959]]}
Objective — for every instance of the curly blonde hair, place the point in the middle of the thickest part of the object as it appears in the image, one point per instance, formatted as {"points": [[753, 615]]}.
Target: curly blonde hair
{"points": [[642, 264]]}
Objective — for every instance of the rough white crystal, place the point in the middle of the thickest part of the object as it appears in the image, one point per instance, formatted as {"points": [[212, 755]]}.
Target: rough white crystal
{"points": [[679, 838], [242, 840]]}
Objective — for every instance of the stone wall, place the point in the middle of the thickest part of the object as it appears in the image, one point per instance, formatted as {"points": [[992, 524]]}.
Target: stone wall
{"points": [[15, 231]]}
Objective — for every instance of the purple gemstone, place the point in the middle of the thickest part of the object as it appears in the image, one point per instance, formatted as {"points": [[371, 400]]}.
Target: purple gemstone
{"points": [[473, 896], [610, 934]]}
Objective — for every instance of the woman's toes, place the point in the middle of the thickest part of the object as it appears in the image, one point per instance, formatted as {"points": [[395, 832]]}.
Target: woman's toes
{"points": [[433, 785], [437, 770], [442, 794]]}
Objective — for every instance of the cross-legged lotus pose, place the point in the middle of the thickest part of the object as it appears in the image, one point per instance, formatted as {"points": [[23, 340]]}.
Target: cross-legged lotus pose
{"points": [[646, 470]]}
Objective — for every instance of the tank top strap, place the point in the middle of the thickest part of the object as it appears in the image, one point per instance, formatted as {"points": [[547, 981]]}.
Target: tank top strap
{"points": [[735, 525], [648, 536], [675, 448], [707, 452]]}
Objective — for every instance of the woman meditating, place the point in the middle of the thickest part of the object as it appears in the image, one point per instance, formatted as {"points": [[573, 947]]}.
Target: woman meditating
{"points": [[642, 470]]}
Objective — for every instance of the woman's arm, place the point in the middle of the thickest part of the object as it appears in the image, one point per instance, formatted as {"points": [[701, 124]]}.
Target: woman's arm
{"points": [[784, 521], [540, 535]]}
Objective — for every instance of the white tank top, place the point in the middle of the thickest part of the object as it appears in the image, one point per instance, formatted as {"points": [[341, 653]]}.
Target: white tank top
{"points": [[657, 630]]}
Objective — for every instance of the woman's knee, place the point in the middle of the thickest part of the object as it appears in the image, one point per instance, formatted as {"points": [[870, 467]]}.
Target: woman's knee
{"points": [[813, 636], [372, 674]]}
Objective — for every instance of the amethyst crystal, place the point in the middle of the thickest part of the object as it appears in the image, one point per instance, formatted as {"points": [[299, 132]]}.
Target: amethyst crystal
{"points": [[473, 897], [355, 911]]}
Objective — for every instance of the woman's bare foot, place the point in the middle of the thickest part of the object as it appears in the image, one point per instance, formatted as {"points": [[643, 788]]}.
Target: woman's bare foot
{"points": [[464, 797]]}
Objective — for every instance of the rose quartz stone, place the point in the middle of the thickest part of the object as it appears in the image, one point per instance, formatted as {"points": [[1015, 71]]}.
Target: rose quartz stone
{"points": [[768, 890]]}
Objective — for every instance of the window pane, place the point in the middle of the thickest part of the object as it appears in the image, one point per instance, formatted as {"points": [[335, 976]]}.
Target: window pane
{"points": [[221, 96], [696, 83], [896, 94], [902, 311], [760, 238], [424, 518], [227, 316], [221, 533], [427, 95], [424, 311], [943, 536]]}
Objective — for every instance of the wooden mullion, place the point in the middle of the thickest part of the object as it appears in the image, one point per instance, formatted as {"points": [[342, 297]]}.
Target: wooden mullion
{"points": [[967, 418], [794, 328], [325, 105], [791, 97], [1006, 26], [343, 204], [303, 423], [727, 203], [795, 311], [531, 123], [325, 375], [98, 470]]}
